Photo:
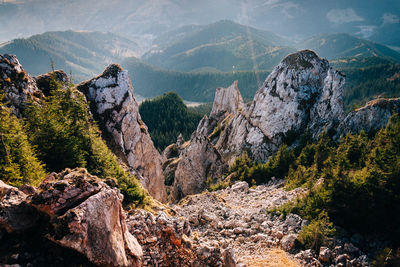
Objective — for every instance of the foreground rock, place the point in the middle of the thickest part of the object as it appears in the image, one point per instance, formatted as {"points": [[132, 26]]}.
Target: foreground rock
{"points": [[15, 214], [116, 110], [167, 241], [235, 219], [75, 212]]}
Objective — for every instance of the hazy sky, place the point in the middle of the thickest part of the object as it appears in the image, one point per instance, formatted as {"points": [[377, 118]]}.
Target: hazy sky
{"points": [[293, 19]]}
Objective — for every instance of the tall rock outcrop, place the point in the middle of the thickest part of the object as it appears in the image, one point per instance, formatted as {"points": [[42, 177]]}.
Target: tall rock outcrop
{"points": [[16, 85], [227, 100], [115, 108], [302, 93], [192, 163]]}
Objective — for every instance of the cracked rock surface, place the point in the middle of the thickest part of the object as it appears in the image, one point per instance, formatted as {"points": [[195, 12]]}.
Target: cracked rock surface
{"points": [[115, 108]]}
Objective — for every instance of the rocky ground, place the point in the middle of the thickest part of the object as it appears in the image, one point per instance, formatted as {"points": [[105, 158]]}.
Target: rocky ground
{"points": [[231, 227], [236, 219]]}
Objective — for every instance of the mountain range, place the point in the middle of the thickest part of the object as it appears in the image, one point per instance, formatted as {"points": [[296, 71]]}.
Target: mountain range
{"points": [[372, 19], [83, 53], [222, 46], [194, 60]]}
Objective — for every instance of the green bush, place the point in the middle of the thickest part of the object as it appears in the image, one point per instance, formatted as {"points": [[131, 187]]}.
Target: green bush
{"points": [[217, 186], [259, 173], [317, 233], [18, 161]]}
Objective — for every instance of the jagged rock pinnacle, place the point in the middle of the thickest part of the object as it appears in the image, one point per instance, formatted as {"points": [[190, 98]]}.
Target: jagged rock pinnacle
{"points": [[114, 106], [227, 100]]}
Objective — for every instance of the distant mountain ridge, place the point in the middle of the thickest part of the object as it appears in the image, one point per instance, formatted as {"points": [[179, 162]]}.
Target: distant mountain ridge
{"points": [[223, 46], [83, 53], [342, 45], [228, 46]]}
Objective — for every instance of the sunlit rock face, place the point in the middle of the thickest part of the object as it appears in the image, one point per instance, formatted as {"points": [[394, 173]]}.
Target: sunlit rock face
{"points": [[373, 116], [16, 85], [302, 93], [114, 106], [227, 100]]}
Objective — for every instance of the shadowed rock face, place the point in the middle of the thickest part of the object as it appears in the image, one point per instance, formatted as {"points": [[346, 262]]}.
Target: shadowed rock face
{"points": [[44, 81], [115, 108], [17, 86], [15, 214], [77, 212], [198, 161]]}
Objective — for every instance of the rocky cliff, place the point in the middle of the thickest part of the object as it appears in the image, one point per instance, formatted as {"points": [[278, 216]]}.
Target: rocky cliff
{"points": [[192, 163], [16, 85], [302, 93], [199, 160], [113, 105], [227, 100]]}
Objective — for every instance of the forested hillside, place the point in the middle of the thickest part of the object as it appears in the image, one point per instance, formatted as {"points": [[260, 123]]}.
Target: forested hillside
{"points": [[341, 45], [150, 81], [166, 117], [364, 84]]}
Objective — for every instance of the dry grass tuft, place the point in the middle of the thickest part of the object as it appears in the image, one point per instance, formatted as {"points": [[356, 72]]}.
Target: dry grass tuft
{"points": [[273, 258]]}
